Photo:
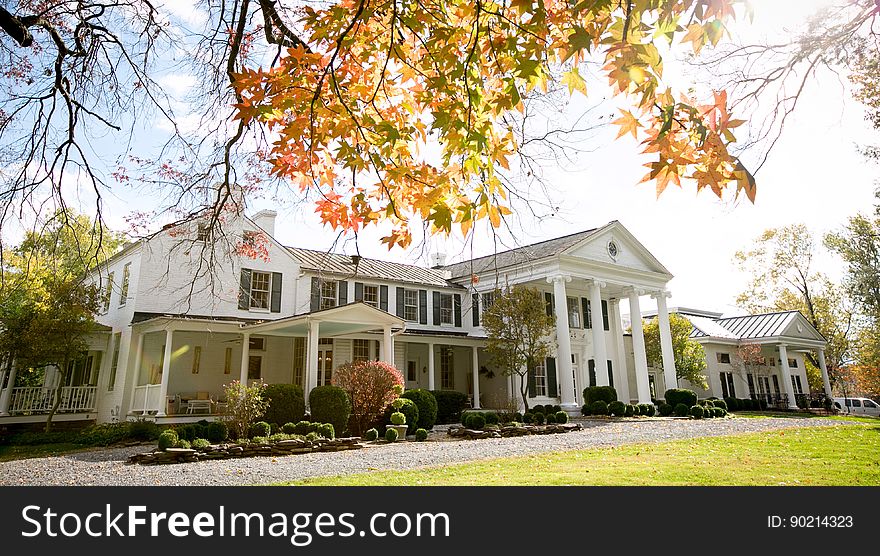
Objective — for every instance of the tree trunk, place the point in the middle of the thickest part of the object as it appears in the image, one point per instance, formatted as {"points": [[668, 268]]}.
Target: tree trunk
{"points": [[57, 397], [524, 392]]}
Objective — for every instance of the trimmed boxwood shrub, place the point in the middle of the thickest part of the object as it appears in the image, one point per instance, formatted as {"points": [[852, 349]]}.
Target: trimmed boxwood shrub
{"points": [[550, 418], [410, 411], [286, 403], [681, 410], [421, 435], [718, 412], [474, 420], [450, 404], [185, 444], [311, 437], [561, 417], [330, 404], [491, 417], [606, 394], [696, 411], [538, 409], [585, 410], [217, 431], [675, 396], [648, 409], [721, 404], [302, 428], [599, 407], [391, 435], [398, 418], [427, 405], [168, 439], [260, 428], [528, 418], [371, 435], [327, 431], [518, 417], [666, 409], [629, 410], [557, 408], [617, 408], [289, 428], [200, 443], [539, 418]]}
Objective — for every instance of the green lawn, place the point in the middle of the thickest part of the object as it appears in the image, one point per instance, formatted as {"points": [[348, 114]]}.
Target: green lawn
{"points": [[805, 415], [845, 455], [9, 453]]}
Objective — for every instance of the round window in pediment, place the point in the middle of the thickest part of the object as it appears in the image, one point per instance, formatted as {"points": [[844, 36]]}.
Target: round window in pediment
{"points": [[613, 250]]}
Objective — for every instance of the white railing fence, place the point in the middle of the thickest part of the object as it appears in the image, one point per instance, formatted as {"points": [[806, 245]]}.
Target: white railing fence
{"points": [[39, 399], [146, 398]]}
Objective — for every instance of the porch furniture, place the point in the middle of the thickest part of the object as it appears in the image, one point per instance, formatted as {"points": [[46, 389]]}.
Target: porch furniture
{"points": [[198, 406]]}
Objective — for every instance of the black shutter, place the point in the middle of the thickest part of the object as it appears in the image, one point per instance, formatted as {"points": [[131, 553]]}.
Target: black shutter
{"points": [[316, 294], [436, 308], [548, 300], [275, 305], [592, 367], [475, 308], [456, 301], [383, 298], [588, 314], [551, 377], [358, 291], [342, 293], [605, 315], [610, 374], [423, 306], [244, 293], [400, 311], [532, 388]]}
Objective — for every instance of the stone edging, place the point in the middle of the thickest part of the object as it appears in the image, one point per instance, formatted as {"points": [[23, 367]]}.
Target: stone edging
{"points": [[228, 451], [508, 431]]}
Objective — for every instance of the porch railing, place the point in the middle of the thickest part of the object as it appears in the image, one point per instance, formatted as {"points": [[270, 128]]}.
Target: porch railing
{"points": [[38, 399], [146, 398]]}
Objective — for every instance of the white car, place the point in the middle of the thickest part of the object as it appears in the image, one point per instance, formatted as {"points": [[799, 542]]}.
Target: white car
{"points": [[857, 406]]}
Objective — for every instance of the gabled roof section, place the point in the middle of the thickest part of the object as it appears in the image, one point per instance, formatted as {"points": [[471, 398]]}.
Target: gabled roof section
{"points": [[633, 253], [755, 327], [335, 263], [524, 254]]}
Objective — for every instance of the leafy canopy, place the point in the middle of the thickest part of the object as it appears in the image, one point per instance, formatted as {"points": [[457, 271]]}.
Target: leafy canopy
{"points": [[690, 358], [368, 85]]}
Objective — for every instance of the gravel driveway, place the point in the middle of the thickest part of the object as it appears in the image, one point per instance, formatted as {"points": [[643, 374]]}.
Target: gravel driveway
{"points": [[108, 467]]}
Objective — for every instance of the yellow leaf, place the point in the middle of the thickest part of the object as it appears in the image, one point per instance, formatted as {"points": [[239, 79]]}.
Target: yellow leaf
{"points": [[574, 81], [628, 124]]}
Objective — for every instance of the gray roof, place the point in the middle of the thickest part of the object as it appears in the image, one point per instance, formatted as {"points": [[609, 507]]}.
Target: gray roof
{"points": [[526, 253], [335, 263], [749, 327]]}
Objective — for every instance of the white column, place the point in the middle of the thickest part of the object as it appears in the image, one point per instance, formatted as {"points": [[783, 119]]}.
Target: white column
{"points": [[6, 395], [431, 366], [312, 359], [641, 359], [137, 375], [786, 377], [475, 369], [563, 340], [166, 373], [825, 382], [387, 345], [245, 358], [600, 350], [621, 377], [669, 373]]}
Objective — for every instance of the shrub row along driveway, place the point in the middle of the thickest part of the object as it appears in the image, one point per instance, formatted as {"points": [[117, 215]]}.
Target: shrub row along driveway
{"points": [[108, 467]]}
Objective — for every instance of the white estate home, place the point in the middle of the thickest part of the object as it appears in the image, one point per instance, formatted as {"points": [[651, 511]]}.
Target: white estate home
{"points": [[170, 339]]}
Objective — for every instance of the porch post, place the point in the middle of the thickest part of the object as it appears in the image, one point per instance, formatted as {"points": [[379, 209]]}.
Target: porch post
{"points": [[387, 345], [669, 373], [245, 358], [639, 355], [430, 366], [312, 366], [563, 339], [475, 368], [166, 372], [600, 350], [6, 395], [786, 376], [622, 384], [825, 382], [137, 374]]}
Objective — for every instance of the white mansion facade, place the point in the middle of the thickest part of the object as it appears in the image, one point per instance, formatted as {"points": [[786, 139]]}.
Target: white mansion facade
{"points": [[171, 337]]}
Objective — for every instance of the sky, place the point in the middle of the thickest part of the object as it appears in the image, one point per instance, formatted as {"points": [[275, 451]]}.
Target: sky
{"points": [[814, 175]]}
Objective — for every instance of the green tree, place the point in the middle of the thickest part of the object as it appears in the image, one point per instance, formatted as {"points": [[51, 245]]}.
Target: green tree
{"points": [[690, 358], [780, 264], [858, 244], [518, 330]]}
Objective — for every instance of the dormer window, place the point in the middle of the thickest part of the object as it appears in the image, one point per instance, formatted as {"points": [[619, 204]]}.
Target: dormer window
{"points": [[260, 291]]}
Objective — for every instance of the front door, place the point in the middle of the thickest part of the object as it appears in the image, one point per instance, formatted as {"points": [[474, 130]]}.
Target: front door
{"points": [[412, 374], [325, 362]]}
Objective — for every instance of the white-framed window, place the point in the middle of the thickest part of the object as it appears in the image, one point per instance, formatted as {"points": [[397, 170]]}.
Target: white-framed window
{"points": [[446, 309], [574, 312], [227, 361], [261, 283], [299, 359], [255, 367], [488, 300], [328, 294], [796, 384], [723, 357], [256, 343], [126, 276], [728, 390], [541, 378], [108, 293], [202, 232], [410, 305], [792, 363], [447, 373], [361, 350], [371, 295], [197, 359], [114, 363]]}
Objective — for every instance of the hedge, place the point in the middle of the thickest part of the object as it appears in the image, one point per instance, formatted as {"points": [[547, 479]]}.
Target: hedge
{"points": [[450, 404], [330, 404], [681, 410], [286, 403], [697, 411], [617, 408], [606, 394], [675, 396], [427, 405]]}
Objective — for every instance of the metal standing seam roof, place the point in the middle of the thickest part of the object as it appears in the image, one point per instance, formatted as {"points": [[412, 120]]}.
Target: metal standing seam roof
{"points": [[522, 254], [745, 327], [335, 263]]}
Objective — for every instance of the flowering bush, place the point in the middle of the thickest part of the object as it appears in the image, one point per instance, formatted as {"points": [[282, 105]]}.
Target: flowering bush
{"points": [[371, 387], [245, 404]]}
